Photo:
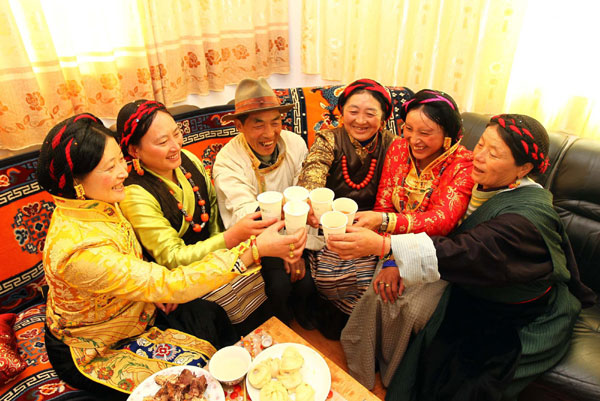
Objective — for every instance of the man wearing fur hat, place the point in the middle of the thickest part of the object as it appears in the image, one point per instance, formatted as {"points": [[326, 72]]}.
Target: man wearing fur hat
{"points": [[263, 157]]}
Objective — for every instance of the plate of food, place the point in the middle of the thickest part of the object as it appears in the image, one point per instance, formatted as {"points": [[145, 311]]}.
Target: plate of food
{"points": [[196, 383], [288, 370]]}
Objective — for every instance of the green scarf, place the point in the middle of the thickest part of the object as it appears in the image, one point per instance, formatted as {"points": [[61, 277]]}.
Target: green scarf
{"points": [[535, 204]]}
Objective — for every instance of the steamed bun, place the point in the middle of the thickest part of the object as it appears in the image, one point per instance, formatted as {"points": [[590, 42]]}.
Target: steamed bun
{"points": [[304, 392], [260, 375]]}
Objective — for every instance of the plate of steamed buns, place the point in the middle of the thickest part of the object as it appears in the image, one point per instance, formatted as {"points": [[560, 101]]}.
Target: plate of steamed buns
{"points": [[288, 371]]}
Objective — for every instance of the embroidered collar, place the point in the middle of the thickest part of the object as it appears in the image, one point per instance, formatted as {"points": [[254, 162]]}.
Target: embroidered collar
{"points": [[88, 210]]}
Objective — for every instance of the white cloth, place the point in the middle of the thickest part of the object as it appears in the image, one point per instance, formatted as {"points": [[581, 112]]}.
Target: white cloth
{"points": [[236, 181], [416, 258]]}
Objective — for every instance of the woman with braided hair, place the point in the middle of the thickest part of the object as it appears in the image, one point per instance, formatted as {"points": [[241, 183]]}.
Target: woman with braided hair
{"points": [[104, 332], [514, 293], [172, 205]]}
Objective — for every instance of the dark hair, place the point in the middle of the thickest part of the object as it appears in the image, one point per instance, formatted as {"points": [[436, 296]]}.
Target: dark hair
{"points": [[131, 128], [526, 138], [71, 150], [242, 118], [372, 87], [440, 108]]}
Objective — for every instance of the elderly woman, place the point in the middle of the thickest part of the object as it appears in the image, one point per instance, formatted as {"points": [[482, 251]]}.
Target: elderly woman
{"points": [[165, 177], [104, 333], [425, 186], [515, 292], [348, 160]]}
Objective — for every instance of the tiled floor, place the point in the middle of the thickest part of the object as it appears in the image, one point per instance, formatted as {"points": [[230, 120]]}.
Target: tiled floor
{"points": [[333, 350]]}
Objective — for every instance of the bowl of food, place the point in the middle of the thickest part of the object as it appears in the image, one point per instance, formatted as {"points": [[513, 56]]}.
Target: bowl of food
{"points": [[229, 365]]}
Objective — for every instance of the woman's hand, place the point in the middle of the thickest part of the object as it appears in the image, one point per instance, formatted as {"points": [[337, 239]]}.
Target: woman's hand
{"points": [[388, 284], [356, 243], [167, 308], [247, 226], [287, 247], [371, 220], [312, 219], [295, 270]]}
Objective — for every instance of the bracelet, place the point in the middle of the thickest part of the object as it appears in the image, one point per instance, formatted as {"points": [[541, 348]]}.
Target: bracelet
{"points": [[393, 219], [384, 236], [384, 222], [390, 252], [255, 254]]}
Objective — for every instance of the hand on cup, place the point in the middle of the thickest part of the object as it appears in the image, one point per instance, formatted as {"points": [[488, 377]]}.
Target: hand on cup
{"points": [[355, 243], [368, 219], [287, 247], [251, 224]]}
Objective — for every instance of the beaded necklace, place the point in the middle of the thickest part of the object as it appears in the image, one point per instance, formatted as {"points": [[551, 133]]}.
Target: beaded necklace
{"points": [[435, 183], [201, 202], [370, 174]]}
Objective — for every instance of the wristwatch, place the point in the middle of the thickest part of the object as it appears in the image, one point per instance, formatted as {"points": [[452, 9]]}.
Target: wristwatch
{"points": [[384, 222]]}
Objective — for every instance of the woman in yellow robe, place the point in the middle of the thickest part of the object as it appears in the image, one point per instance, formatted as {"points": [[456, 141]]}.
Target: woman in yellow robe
{"points": [[104, 333], [164, 177]]}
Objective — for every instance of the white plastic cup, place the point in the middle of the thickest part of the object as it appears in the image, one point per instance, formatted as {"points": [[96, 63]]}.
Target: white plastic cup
{"points": [[333, 223], [270, 204], [321, 200], [295, 213], [346, 206], [296, 193]]}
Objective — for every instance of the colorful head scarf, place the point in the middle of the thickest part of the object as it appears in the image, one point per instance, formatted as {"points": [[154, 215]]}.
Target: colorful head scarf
{"points": [[529, 139], [371, 86]]}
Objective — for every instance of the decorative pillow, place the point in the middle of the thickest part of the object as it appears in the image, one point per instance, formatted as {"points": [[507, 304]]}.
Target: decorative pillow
{"points": [[11, 363]]}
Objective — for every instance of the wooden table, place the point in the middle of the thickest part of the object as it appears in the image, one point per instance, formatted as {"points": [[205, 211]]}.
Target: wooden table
{"points": [[341, 381]]}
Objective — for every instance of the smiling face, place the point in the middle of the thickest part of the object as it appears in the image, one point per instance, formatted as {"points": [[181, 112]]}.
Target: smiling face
{"points": [[424, 136], [160, 148], [261, 130], [105, 181], [493, 163], [362, 116]]}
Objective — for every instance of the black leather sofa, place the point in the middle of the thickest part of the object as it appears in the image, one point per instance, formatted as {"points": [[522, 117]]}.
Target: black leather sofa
{"points": [[572, 179]]}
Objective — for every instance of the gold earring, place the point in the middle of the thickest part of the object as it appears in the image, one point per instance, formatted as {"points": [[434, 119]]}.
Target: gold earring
{"points": [[79, 192], [447, 142], [138, 167], [515, 184]]}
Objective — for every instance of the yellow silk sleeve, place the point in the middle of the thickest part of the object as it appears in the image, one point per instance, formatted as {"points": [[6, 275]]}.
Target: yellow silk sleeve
{"points": [[101, 268]]}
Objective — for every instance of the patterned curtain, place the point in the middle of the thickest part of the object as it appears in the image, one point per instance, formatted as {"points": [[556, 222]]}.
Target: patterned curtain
{"points": [[527, 56], [58, 58]]}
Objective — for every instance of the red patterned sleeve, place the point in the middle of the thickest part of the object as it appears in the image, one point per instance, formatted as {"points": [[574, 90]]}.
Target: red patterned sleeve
{"points": [[448, 202], [394, 158]]}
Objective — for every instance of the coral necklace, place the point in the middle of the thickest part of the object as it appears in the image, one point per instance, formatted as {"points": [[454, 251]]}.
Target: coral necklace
{"points": [[370, 174], [201, 202], [364, 182], [434, 185]]}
